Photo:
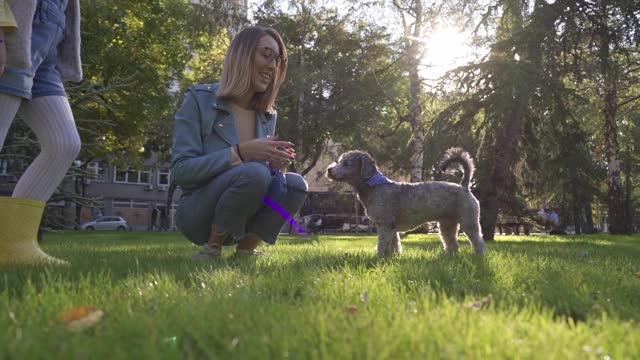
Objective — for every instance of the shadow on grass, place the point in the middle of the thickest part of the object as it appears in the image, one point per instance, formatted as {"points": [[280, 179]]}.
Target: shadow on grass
{"points": [[576, 277], [555, 246], [579, 249], [568, 276]]}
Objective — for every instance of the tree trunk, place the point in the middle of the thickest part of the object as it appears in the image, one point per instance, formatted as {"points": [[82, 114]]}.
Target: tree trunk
{"points": [[496, 158], [509, 138], [609, 71], [415, 108], [628, 203], [302, 83], [486, 191], [499, 149], [577, 219], [588, 217], [80, 188], [301, 90], [417, 124], [615, 195]]}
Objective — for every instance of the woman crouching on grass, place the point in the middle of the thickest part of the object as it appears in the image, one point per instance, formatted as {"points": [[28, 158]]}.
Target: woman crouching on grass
{"points": [[225, 156]]}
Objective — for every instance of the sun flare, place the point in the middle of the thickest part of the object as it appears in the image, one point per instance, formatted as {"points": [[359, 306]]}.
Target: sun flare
{"points": [[445, 49]]}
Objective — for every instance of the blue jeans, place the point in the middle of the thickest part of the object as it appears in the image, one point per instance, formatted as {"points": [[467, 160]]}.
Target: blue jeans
{"points": [[233, 201], [43, 78]]}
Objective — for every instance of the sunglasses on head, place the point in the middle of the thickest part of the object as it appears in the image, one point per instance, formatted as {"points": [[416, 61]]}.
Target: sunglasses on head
{"points": [[269, 54]]}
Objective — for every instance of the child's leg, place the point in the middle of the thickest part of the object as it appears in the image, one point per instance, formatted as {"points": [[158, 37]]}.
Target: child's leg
{"points": [[51, 120], [9, 105], [19, 218]]}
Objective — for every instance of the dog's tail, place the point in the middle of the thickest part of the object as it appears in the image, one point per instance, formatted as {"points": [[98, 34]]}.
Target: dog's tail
{"points": [[459, 156]]}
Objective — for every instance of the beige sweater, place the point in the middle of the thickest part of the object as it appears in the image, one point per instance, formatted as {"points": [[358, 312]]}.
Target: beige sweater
{"points": [[19, 42], [245, 125]]}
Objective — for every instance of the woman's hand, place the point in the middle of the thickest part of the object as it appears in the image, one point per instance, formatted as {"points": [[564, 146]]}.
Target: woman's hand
{"points": [[266, 149], [3, 52], [282, 165]]}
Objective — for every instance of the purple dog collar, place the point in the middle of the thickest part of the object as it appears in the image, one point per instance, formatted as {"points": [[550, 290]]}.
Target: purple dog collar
{"points": [[378, 179]]}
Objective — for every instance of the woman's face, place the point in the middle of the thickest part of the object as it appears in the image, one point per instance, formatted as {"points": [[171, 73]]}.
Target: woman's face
{"points": [[266, 61]]}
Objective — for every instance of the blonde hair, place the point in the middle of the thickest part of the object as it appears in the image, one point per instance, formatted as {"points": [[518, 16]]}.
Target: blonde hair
{"points": [[235, 79]]}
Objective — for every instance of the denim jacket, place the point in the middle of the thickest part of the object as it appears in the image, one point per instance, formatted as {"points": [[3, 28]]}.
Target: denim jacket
{"points": [[204, 135]]}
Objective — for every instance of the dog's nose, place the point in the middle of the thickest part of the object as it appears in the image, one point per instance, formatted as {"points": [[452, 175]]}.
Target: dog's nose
{"points": [[328, 173]]}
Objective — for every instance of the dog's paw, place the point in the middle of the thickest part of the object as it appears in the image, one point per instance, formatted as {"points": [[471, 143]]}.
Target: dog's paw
{"points": [[389, 253], [480, 249], [451, 251]]}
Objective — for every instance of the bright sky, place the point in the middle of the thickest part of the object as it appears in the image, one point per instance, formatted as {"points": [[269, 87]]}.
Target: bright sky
{"points": [[446, 49]]}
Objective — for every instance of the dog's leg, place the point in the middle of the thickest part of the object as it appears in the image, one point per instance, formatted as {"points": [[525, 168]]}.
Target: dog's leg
{"points": [[449, 235], [388, 242], [472, 230], [396, 245]]}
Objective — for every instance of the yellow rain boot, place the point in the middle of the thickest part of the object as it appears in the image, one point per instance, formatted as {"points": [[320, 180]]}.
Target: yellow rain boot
{"points": [[19, 222]]}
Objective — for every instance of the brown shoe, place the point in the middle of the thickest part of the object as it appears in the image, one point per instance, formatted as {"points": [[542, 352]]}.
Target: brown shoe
{"points": [[208, 252]]}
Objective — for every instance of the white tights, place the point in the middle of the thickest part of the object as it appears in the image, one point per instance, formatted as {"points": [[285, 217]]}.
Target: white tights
{"points": [[51, 119]]}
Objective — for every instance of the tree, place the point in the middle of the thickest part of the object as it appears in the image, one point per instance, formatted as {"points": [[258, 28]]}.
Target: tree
{"points": [[416, 20], [331, 91], [125, 105], [501, 88], [605, 39]]}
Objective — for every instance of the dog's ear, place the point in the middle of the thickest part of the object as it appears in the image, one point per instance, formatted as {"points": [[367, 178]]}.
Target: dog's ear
{"points": [[368, 166]]}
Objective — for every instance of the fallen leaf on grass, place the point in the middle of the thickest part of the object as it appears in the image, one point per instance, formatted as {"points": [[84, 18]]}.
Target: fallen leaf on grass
{"points": [[351, 309], [79, 318], [638, 274], [480, 304], [171, 340], [12, 317], [364, 297]]}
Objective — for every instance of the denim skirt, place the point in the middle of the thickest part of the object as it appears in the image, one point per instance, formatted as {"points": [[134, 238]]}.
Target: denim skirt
{"points": [[43, 78]]}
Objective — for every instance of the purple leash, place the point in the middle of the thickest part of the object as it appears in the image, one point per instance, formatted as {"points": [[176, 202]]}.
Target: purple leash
{"points": [[285, 215]]}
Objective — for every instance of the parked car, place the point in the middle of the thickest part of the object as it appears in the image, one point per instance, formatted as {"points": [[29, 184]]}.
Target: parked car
{"points": [[7, 184], [106, 223], [315, 223], [8, 179]]}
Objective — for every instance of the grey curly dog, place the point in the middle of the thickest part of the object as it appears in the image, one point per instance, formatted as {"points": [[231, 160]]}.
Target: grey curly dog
{"points": [[398, 206]]}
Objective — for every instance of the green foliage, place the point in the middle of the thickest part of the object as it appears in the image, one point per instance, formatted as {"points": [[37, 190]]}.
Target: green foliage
{"points": [[531, 111], [545, 70], [328, 298], [331, 77], [137, 57], [132, 54], [206, 64], [600, 39]]}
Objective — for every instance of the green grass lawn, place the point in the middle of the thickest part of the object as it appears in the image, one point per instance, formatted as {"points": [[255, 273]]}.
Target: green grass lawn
{"points": [[538, 297]]}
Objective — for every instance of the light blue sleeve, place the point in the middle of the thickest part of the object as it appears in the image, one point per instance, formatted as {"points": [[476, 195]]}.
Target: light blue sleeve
{"points": [[190, 165]]}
